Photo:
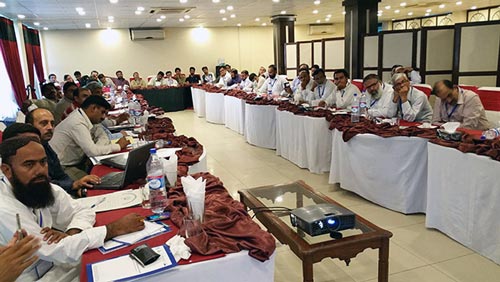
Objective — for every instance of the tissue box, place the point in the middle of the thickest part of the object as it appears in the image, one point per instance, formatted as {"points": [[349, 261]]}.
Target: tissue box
{"points": [[455, 136]]}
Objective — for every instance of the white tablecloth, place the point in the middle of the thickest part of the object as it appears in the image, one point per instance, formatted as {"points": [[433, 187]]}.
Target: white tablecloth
{"points": [[305, 141], [234, 116], [214, 107], [260, 125], [391, 172], [198, 96], [464, 199]]}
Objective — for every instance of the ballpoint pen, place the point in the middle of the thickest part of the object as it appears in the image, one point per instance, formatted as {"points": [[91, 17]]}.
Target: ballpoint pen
{"points": [[98, 203], [19, 231]]}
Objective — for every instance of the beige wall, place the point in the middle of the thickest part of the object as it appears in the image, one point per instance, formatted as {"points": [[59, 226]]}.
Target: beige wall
{"points": [[302, 32]]}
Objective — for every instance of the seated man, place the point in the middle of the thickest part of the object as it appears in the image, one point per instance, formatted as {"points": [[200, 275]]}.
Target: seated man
{"points": [[274, 86], [44, 208], [296, 81], [53, 78], [73, 141], [192, 77], [235, 79], [169, 80], [409, 103], [224, 78], [179, 76], [158, 80], [246, 84], [120, 82], [413, 75], [138, 82], [65, 102], [79, 95], [95, 88], [344, 93], [106, 81], [207, 77], [379, 96], [460, 105], [322, 89], [42, 118], [303, 93], [49, 101]]}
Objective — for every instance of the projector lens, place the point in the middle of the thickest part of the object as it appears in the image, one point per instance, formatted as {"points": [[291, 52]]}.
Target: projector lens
{"points": [[333, 223]]}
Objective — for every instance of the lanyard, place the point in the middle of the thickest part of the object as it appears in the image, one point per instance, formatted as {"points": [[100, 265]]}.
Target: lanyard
{"points": [[401, 103], [452, 110], [270, 90], [373, 102], [40, 218], [342, 93], [321, 93]]}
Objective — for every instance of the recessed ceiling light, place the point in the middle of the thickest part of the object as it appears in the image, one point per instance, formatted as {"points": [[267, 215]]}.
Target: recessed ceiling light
{"points": [[393, 19], [233, 16], [224, 19], [2, 4], [329, 15], [428, 10], [380, 12], [111, 20], [318, 21], [158, 20], [230, 8], [45, 28], [459, 3], [78, 9], [181, 19], [238, 24], [379, 15], [187, 17], [396, 11], [113, 1], [215, 1], [264, 24], [140, 8], [222, 11], [473, 7], [138, 12], [344, 12], [410, 13], [327, 19], [36, 23], [87, 25], [276, 1], [21, 16], [441, 6], [427, 14], [81, 13], [257, 19], [183, 1], [317, 2], [403, 4], [162, 17], [283, 12], [315, 11], [387, 7]]}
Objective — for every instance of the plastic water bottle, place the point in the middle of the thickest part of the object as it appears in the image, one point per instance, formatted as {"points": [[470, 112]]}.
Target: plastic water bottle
{"points": [[490, 134], [156, 183], [355, 109], [363, 105], [124, 98]]}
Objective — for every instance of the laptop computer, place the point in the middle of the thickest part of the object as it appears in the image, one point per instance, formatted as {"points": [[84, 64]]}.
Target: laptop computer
{"points": [[134, 164]]}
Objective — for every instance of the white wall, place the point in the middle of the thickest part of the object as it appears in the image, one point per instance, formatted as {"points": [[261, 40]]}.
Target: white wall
{"points": [[109, 50]]}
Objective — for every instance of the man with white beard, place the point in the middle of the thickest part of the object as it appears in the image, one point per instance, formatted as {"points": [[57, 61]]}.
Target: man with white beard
{"points": [[379, 96]]}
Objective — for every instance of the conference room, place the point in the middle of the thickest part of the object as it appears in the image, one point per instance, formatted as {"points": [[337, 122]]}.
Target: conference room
{"points": [[353, 140]]}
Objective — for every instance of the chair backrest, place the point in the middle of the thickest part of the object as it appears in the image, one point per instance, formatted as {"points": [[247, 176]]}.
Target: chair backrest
{"points": [[490, 97], [426, 88], [469, 87], [358, 83], [131, 79], [150, 77]]}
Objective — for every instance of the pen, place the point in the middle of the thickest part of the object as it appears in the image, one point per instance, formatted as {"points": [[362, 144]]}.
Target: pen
{"points": [[98, 203], [19, 231]]}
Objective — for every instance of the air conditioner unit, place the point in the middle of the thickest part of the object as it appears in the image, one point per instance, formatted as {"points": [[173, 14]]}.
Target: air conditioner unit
{"points": [[320, 29], [147, 34]]}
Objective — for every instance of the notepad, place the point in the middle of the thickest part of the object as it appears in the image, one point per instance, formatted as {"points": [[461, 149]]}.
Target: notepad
{"points": [[125, 268], [113, 201]]}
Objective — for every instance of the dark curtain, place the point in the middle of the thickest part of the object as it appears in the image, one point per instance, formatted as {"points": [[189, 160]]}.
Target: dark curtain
{"points": [[29, 57], [10, 53]]}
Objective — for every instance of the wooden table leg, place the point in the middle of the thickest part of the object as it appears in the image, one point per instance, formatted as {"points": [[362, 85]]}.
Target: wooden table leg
{"points": [[383, 261], [307, 270]]}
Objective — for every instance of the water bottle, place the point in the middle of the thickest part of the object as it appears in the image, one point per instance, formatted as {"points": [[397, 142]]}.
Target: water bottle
{"points": [[490, 134], [124, 98], [363, 105], [156, 183], [355, 109]]}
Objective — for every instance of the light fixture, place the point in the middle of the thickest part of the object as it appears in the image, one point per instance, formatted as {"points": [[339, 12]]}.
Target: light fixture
{"points": [[183, 1], [187, 17], [283, 12], [264, 24], [318, 21], [215, 1], [82, 13], [379, 15], [233, 16], [36, 23], [396, 11], [21, 16], [222, 11], [329, 15], [459, 3], [224, 19], [403, 4], [276, 1], [45, 28], [473, 7], [2, 4], [327, 19], [387, 7], [317, 2], [428, 10], [393, 19], [315, 11], [138, 12], [410, 13], [111, 20], [181, 19], [238, 24], [87, 25], [113, 1], [78, 9], [230, 8], [344, 12], [441, 6], [163, 17], [158, 20], [380, 12], [140, 8], [257, 19], [427, 14]]}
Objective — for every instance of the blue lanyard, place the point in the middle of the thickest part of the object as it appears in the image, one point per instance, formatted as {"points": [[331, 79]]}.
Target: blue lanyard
{"points": [[40, 221], [272, 84], [401, 103], [373, 102], [343, 92], [321, 93], [452, 110]]}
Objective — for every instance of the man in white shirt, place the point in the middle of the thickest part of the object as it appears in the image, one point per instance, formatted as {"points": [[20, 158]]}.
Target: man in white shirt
{"points": [[158, 80], [169, 80], [224, 78], [246, 84], [274, 86], [409, 103], [379, 96], [296, 81], [44, 209], [72, 140], [303, 92], [207, 77], [413, 75], [344, 92], [322, 88]]}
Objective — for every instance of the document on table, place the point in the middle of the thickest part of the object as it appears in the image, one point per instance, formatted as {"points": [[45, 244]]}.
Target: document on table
{"points": [[125, 268], [113, 201]]}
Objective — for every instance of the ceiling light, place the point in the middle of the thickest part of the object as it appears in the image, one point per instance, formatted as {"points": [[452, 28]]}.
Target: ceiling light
{"points": [[410, 13], [428, 10], [21, 16], [344, 12], [380, 12], [36, 23], [183, 1], [215, 1], [163, 17], [317, 2], [224, 19], [78, 9], [230, 8], [403, 4], [441, 6], [459, 3], [396, 11], [181, 19], [45, 28], [140, 8], [187, 17], [327, 19], [329, 15], [264, 24], [315, 11], [318, 21], [158, 20], [2, 4], [379, 15], [233, 16], [427, 14], [222, 11], [113, 1], [111, 20], [87, 25], [283, 12], [238, 24], [81, 13], [387, 7], [393, 19], [276, 1], [257, 19], [138, 12], [473, 7]]}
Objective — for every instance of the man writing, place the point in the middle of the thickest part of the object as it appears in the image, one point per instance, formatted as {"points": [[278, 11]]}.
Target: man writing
{"points": [[44, 207], [409, 103]]}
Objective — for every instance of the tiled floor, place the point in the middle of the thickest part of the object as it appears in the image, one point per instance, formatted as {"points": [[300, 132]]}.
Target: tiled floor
{"points": [[416, 253]]}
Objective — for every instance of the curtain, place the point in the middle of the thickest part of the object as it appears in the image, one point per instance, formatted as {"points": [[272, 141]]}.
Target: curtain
{"points": [[29, 58], [10, 54], [34, 56]]}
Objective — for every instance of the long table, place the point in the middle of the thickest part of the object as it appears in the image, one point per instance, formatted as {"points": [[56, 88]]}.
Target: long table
{"points": [[214, 107], [260, 125], [464, 199], [169, 99], [198, 97]]}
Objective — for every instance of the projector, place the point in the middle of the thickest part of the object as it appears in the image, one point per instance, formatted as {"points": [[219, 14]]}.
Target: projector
{"points": [[322, 219]]}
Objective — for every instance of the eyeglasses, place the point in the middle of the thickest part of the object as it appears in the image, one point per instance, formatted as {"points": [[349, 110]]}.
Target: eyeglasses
{"points": [[371, 85]]}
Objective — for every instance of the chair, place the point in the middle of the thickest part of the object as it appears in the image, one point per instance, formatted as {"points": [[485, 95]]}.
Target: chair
{"points": [[426, 88], [358, 83], [469, 87], [490, 97], [150, 77]]}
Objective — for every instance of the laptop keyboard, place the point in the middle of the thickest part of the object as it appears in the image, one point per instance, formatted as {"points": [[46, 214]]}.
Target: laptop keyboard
{"points": [[113, 178]]}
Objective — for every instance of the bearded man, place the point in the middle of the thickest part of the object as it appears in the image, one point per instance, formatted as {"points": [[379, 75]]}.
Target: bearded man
{"points": [[379, 96]]}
